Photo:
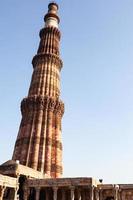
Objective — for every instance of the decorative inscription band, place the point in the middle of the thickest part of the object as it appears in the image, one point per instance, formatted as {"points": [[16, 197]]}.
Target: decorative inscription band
{"points": [[42, 58], [42, 103]]}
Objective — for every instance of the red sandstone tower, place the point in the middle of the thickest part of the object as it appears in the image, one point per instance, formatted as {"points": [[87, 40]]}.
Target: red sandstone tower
{"points": [[38, 143]]}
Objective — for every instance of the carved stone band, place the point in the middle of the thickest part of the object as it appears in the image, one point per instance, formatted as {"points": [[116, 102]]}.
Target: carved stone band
{"points": [[42, 58], [42, 103]]}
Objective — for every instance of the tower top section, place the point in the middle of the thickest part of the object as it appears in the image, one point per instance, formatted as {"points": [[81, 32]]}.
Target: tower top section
{"points": [[51, 18]]}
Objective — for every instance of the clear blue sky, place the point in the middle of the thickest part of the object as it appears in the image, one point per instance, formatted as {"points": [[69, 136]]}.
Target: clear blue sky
{"points": [[97, 81]]}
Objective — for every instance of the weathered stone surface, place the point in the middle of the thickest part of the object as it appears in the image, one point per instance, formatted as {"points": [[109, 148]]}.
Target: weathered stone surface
{"points": [[14, 169], [7, 181], [39, 144]]}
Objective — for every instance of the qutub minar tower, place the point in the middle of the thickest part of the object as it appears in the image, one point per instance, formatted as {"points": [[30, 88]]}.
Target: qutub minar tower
{"points": [[35, 171], [39, 144]]}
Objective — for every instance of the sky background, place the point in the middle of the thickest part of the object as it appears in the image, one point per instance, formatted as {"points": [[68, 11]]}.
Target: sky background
{"points": [[97, 82]]}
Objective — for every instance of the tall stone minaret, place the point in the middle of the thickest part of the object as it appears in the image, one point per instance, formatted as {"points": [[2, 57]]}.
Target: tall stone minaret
{"points": [[39, 143]]}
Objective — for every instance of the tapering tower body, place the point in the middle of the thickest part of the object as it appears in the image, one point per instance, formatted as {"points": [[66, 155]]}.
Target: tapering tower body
{"points": [[38, 143]]}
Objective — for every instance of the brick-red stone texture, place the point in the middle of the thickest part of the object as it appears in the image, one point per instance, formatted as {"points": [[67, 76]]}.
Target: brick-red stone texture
{"points": [[39, 144]]}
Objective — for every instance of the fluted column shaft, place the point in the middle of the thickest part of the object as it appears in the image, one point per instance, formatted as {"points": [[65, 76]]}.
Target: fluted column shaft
{"points": [[30, 137], [24, 151], [49, 144], [58, 145], [50, 37], [46, 77], [47, 65], [41, 164], [72, 189], [38, 124]]}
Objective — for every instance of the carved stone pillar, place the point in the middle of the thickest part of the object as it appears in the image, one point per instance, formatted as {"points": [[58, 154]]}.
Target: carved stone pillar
{"points": [[15, 193], [92, 193], [55, 189], [37, 193], [97, 194], [119, 194], [72, 193], [2, 190], [116, 190]]}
